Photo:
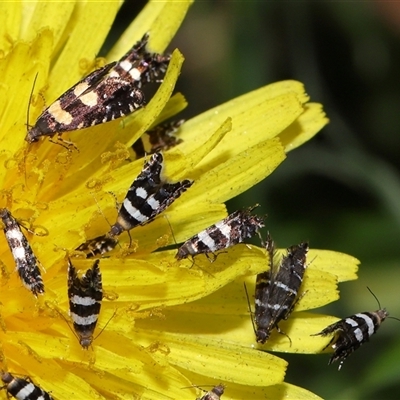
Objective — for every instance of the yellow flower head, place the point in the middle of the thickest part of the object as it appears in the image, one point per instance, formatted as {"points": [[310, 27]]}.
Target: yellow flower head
{"points": [[169, 326]]}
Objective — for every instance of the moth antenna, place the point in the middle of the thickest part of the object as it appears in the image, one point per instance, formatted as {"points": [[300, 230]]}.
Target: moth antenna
{"points": [[170, 228], [117, 207], [45, 231], [105, 326], [219, 387], [30, 99], [101, 211], [28, 125], [99, 208], [249, 307], [379, 304], [197, 386], [373, 294], [69, 326]]}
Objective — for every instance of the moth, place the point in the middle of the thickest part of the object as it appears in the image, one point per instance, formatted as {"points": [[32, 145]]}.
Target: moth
{"points": [[98, 246], [23, 389], [85, 295], [25, 260], [277, 290], [214, 394], [148, 196], [234, 229], [351, 332], [108, 93]]}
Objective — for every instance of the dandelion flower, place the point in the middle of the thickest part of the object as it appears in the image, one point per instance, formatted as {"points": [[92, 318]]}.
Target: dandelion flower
{"points": [[173, 325]]}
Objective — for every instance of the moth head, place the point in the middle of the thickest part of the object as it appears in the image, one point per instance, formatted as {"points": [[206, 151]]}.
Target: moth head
{"points": [[262, 335], [33, 135], [86, 341]]}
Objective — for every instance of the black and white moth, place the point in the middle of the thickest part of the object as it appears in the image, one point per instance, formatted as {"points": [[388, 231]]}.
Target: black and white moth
{"points": [[277, 290], [214, 394], [23, 389], [108, 93], [25, 260], [234, 229], [85, 295], [98, 246], [159, 138], [148, 196], [351, 332]]}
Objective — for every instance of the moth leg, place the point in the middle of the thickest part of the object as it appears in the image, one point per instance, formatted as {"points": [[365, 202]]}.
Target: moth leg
{"points": [[281, 332], [64, 143], [326, 332], [329, 329], [330, 342], [211, 258]]}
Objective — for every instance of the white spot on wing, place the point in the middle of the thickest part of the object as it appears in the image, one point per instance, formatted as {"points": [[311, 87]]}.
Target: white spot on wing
{"points": [[284, 287], [351, 322], [90, 319], [140, 192], [153, 203], [133, 211], [25, 391], [358, 334], [369, 322], [80, 88], [61, 116], [14, 234], [224, 228], [135, 74], [207, 240], [19, 253], [89, 99], [125, 65], [83, 301]]}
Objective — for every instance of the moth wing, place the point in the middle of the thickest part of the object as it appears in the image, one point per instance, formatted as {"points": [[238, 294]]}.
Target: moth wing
{"points": [[85, 85]]}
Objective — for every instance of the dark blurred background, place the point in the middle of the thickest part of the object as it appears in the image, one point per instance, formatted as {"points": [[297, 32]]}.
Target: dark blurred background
{"points": [[340, 191]]}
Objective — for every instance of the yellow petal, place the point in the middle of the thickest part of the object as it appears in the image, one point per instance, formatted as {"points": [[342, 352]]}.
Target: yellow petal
{"points": [[305, 127], [10, 20], [182, 165], [236, 174], [239, 392], [82, 45], [255, 117], [281, 391], [209, 357], [175, 105], [17, 80], [342, 265], [152, 384], [53, 15], [161, 18]]}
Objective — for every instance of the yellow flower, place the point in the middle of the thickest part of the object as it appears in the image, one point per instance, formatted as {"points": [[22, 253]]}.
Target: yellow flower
{"points": [[173, 325]]}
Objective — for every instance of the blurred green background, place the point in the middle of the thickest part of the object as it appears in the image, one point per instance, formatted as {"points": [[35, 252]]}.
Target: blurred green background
{"points": [[340, 191]]}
